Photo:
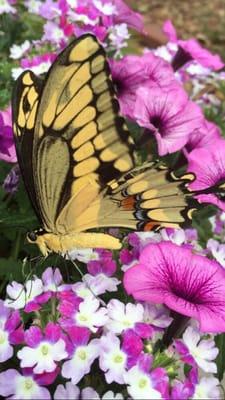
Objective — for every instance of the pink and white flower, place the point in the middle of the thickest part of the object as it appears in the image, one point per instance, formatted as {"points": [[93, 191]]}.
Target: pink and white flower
{"points": [[16, 386], [82, 354], [43, 351], [21, 296], [203, 352]]}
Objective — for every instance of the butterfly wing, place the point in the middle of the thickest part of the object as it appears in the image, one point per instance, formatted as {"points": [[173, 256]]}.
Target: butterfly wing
{"points": [[25, 100], [146, 198], [80, 141]]}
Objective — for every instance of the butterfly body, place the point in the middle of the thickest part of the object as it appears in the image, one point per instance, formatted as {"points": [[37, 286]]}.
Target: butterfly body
{"points": [[76, 157]]}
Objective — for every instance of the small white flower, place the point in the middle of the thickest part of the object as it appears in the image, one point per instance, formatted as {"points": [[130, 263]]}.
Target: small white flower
{"points": [[5, 7], [217, 250], [203, 351], [140, 385], [6, 350], [112, 359], [207, 388], [111, 396], [16, 51], [177, 236], [107, 9], [122, 317], [118, 36], [20, 295], [27, 388], [83, 291], [33, 6], [90, 315], [53, 33], [157, 315], [83, 255], [81, 361], [43, 356], [16, 72], [101, 283]]}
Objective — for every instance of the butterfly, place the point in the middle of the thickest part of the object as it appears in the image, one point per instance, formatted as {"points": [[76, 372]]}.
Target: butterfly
{"points": [[77, 157]]}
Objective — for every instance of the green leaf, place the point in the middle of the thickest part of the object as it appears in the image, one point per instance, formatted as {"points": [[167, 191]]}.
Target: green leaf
{"points": [[220, 360], [11, 269]]}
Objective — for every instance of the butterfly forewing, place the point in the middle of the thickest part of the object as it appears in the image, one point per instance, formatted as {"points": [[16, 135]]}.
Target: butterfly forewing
{"points": [[25, 101], [80, 140]]}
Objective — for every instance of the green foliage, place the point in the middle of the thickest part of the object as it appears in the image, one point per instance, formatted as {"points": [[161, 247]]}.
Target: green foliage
{"points": [[220, 361]]}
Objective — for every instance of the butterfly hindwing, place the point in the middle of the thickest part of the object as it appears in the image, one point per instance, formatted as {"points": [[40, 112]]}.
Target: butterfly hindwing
{"points": [[80, 140], [146, 198]]}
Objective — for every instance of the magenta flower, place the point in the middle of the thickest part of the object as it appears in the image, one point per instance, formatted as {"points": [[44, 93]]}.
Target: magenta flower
{"points": [[208, 165], [189, 284], [7, 147], [204, 136], [132, 72], [104, 264], [192, 50], [170, 116]]}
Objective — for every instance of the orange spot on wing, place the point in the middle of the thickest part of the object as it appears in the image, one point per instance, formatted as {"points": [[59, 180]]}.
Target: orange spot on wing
{"points": [[150, 225], [128, 203]]}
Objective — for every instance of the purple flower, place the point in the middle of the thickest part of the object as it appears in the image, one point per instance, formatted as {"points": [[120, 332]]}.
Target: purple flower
{"points": [[192, 49], [132, 72], [71, 391], [11, 331], [11, 182], [208, 165], [12, 383], [105, 264], [7, 147], [204, 136], [43, 351], [189, 284], [182, 390], [170, 116]]}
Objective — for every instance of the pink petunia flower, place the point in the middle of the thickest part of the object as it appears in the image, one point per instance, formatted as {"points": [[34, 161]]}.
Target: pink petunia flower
{"points": [[208, 165], [132, 72], [126, 14], [204, 136], [191, 50], [189, 284], [169, 116]]}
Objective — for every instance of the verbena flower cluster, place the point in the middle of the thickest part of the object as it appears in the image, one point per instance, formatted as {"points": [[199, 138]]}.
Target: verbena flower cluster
{"points": [[141, 323], [75, 340]]}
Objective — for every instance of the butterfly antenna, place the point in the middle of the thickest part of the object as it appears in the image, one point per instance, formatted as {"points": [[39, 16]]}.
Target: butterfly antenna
{"points": [[86, 283]]}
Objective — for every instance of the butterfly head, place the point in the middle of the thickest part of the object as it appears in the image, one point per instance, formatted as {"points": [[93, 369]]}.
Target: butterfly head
{"points": [[38, 237]]}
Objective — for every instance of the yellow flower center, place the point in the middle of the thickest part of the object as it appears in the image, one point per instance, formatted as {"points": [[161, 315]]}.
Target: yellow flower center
{"points": [[28, 384], [82, 354], [44, 350], [83, 318], [2, 338], [142, 383], [118, 359]]}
